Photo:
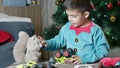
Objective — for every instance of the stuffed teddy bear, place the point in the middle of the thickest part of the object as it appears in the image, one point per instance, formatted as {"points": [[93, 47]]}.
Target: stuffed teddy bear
{"points": [[27, 48]]}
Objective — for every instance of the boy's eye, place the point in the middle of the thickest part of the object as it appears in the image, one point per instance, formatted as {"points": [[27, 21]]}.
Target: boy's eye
{"points": [[74, 16]]}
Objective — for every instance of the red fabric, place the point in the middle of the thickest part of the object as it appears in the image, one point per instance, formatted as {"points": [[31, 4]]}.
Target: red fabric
{"points": [[5, 37], [82, 29], [108, 62]]}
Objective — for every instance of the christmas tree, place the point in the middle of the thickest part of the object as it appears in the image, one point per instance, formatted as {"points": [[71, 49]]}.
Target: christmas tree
{"points": [[105, 13]]}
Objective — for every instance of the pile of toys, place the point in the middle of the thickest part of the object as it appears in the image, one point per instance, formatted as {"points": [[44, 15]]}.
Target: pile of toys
{"points": [[32, 64], [60, 57]]}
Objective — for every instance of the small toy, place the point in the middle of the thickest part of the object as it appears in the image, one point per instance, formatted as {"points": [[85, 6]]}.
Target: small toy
{"points": [[111, 62], [117, 65], [64, 56], [30, 64], [48, 64], [20, 66]]}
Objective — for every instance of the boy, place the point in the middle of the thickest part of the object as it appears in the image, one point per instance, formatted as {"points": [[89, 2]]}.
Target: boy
{"points": [[79, 33]]}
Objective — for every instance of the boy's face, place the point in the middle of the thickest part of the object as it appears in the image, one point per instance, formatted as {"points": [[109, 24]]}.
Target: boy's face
{"points": [[76, 18]]}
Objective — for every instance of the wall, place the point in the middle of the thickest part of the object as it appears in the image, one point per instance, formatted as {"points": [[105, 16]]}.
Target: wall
{"points": [[32, 12]]}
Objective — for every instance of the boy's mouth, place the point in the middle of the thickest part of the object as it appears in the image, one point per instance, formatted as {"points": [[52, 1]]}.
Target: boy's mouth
{"points": [[73, 23]]}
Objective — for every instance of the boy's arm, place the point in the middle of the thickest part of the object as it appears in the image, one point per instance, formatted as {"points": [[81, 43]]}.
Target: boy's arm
{"points": [[100, 50], [57, 42]]}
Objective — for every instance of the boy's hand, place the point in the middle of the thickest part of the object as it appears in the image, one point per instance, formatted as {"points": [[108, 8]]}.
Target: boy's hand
{"points": [[75, 59], [42, 41]]}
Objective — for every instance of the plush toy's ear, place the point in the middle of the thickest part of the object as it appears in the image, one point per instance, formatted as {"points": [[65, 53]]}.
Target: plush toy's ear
{"points": [[20, 47], [36, 41], [33, 49]]}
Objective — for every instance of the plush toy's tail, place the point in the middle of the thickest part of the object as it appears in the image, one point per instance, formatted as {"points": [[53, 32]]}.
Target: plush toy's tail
{"points": [[20, 47]]}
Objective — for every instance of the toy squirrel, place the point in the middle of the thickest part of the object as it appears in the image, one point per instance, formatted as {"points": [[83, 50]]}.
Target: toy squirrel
{"points": [[27, 48]]}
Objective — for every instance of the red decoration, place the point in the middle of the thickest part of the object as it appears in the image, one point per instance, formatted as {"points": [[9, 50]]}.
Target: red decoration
{"points": [[118, 3], [110, 6]]}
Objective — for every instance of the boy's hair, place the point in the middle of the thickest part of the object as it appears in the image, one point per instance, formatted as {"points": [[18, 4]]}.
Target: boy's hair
{"points": [[80, 5]]}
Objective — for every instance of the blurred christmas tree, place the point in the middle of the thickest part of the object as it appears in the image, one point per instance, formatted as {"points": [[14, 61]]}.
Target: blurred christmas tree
{"points": [[60, 18], [105, 13]]}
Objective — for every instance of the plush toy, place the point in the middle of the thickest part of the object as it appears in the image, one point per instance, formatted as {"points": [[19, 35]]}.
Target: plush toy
{"points": [[27, 48]]}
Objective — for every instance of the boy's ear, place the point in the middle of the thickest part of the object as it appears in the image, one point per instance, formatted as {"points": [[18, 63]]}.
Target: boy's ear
{"points": [[86, 14]]}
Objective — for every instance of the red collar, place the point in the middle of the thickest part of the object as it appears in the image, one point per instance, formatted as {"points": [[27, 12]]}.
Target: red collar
{"points": [[82, 29]]}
